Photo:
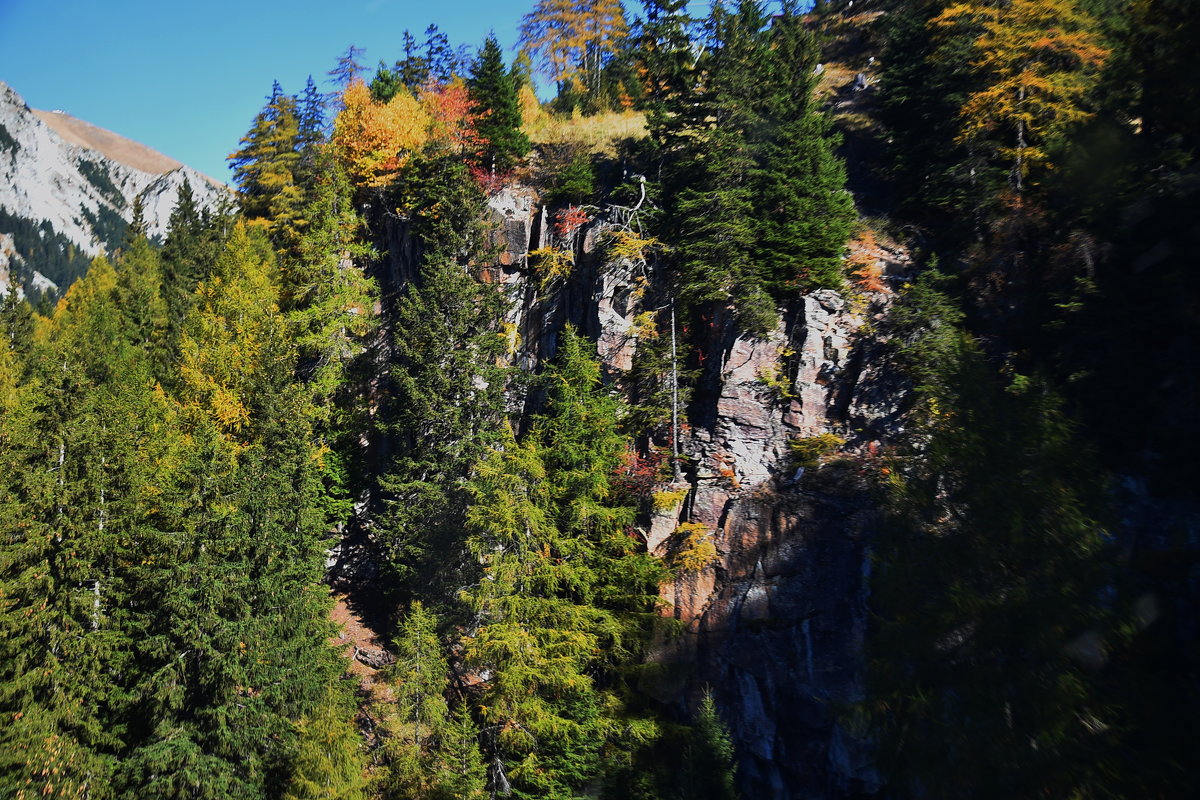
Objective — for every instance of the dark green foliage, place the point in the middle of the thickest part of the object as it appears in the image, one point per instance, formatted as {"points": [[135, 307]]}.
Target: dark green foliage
{"points": [[448, 407], [97, 175], [413, 69], [385, 84], [107, 225], [572, 177], [164, 633], [45, 250], [990, 581], [310, 136], [498, 115], [444, 204], [8, 143], [923, 84], [756, 204], [804, 211], [193, 241], [16, 322], [709, 766]]}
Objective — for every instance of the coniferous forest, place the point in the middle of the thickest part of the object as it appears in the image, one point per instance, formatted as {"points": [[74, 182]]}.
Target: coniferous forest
{"points": [[374, 397]]}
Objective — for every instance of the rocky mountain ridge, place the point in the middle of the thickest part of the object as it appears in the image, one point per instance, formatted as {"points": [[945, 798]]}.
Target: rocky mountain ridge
{"points": [[82, 180]]}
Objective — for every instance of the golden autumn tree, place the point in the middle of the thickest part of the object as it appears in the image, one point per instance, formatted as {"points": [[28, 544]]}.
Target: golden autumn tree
{"points": [[1038, 59], [376, 139], [571, 40]]}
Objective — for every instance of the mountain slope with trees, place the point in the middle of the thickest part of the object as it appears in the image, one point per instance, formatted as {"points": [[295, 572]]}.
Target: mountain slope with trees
{"points": [[783, 448]]}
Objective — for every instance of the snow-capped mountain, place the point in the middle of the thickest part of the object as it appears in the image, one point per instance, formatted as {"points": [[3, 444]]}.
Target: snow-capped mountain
{"points": [[82, 180]]}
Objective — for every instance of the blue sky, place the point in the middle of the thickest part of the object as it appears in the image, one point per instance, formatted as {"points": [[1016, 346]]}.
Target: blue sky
{"points": [[187, 78]]}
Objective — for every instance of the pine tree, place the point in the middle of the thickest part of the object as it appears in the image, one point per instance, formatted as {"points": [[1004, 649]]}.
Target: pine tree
{"points": [[348, 67], [139, 291], [237, 640], [413, 69], [63, 582], [16, 323], [497, 112], [311, 135]]}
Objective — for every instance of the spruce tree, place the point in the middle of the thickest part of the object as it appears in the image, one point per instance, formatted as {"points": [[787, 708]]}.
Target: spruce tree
{"points": [[448, 401], [804, 213], [713, 195], [709, 766], [498, 114]]}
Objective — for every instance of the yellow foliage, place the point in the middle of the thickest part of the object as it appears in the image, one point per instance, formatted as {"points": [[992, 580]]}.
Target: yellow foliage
{"points": [[598, 133], [775, 379], [511, 335], [550, 264], [644, 327], [376, 139], [668, 499], [532, 113], [627, 245], [568, 38], [693, 548], [1038, 59]]}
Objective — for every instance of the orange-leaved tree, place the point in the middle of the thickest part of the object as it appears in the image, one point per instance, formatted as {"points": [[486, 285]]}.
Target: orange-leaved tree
{"points": [[376, 139], [449, 108], [1037, 60]]}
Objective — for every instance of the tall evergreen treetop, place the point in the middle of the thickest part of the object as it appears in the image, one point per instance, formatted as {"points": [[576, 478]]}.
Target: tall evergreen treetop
{"points": [[494, 102]]}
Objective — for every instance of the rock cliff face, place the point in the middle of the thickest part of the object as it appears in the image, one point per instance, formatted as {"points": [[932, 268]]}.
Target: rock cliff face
{"points": [[775, 624], [76, 176]]}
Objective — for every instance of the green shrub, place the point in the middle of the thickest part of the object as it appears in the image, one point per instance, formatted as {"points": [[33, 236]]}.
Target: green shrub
{"points": [[808, 451]]}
